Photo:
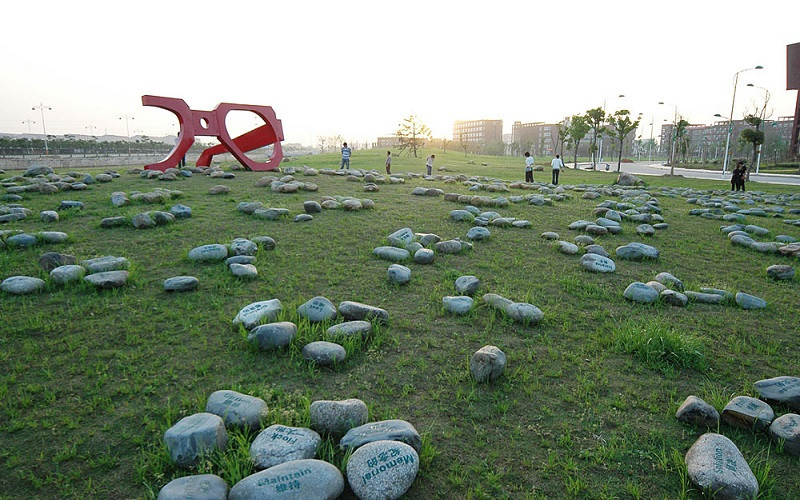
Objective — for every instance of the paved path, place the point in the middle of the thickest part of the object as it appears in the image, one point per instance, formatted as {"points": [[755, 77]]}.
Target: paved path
{"points": [[654, 168]]}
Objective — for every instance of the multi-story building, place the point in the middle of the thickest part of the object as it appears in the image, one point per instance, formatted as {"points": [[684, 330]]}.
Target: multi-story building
{"points": [[478, 133], [708, 141], [541, 139], [391, 141]]}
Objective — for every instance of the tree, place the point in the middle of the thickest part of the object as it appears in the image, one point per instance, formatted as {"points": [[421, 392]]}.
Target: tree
{"points": [[753, 136], [621, 125], [412, 134], [577, 130], [563, 137], [594, 118], [463, 143]]}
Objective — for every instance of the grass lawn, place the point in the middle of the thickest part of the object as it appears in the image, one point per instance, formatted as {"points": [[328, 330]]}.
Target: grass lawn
{"points": [[89, 380]]}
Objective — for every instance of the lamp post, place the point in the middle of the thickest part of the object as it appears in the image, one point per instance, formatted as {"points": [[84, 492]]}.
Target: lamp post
{"points": [[90, 128], [29, 122], [730, 118], [128, 130], [763, 114], [41, 107], [674, 136], [600, 151]]}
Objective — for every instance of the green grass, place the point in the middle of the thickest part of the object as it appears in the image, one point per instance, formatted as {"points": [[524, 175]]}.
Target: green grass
{"points": [[89, 381]]}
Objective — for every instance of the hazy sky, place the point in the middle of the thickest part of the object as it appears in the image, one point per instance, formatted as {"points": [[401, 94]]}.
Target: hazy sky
{"points": [[356, 68]]}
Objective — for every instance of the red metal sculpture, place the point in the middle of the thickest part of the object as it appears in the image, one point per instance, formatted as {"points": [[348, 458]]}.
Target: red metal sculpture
{"points": [[212, 123]]}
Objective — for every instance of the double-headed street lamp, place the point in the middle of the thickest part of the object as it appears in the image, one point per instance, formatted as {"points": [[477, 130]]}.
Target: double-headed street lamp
{"points": [[674, 136], [128, 130], [41, 107], [29, 122], [730, 118], [763, 114]]}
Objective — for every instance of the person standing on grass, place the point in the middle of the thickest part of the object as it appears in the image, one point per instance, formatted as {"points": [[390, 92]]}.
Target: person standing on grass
{"points": [[557, 165], [742, 177], [345, 157], [735, 176], [388, 162], [528, 167], [429, 163]]}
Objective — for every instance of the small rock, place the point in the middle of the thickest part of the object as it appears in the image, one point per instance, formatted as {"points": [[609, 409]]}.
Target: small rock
{"points": [[181, 284], [780, 272], [597, 263], [52, 260], [199, 487], [358, 328], [265, 241], [747, 301], [695, 411], [209, 253], [385, 430], [478, 233], [567, 248], [460, 304], [21, 285], [273, 335], [748, 413], [243, 246], [674, 298], [337, 417], [181, 211], [786, 428], [106, 263], [399, 275], [391, 254], [670, 281], [549, 235], [253, 314], [782, 390], [113, 222], [317, 309], [382, 470], [49, 216], [220, 189], [467, 285], [424, 256], [488, 363], [308, 479], [356, 310], [324, 353], [640, 292], [67, 274], [107, 279], [597, 249], [237, 409], [715, 464], [143, 221]]}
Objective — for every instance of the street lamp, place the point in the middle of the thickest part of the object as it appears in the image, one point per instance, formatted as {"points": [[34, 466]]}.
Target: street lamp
{"points": [[41, 107], [90, 128], [600, 152], [128, 130], [29, 122], [674, 136], [730, 119], [763, 114]]}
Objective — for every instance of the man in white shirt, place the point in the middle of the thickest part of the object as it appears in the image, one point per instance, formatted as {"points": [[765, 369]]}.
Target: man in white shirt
{"points": [[557, 165], [528, 167], [345, 157]]}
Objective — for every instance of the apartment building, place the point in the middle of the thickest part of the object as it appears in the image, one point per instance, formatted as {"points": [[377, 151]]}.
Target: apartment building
{"points": [[708, 141], [478, 132]]}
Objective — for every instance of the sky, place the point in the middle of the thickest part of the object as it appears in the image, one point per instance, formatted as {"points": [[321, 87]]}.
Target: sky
{"points": [[357, 68]]}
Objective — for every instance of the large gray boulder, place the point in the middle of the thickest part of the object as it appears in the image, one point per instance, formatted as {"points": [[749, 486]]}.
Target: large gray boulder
{"points": [[209, 253], [279, 444], [107, 279], [21, 285], [786, 429], [392, 254], [337, 417], [640, 292], [253, 314], [200, 487], [382, 470], [597, 263], [488, 363], [695, 411], [324, 353], [317, 309], [385, 430], [295, 480], [637, 251], [237, 409], [748, 413], [784, 391], [273, 335], [356, 310], [716, 465], [194, 436]]}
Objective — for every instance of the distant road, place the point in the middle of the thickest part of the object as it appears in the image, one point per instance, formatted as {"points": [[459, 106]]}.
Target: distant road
{"points": [[654, 168]]}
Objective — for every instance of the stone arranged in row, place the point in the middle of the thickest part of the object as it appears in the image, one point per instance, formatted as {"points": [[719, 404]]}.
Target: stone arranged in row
{"points": [[382, 469], [194, 436], [308, 478], [278, 444], [521, 312], [714, 463], [384, 430], [338, 417]]}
